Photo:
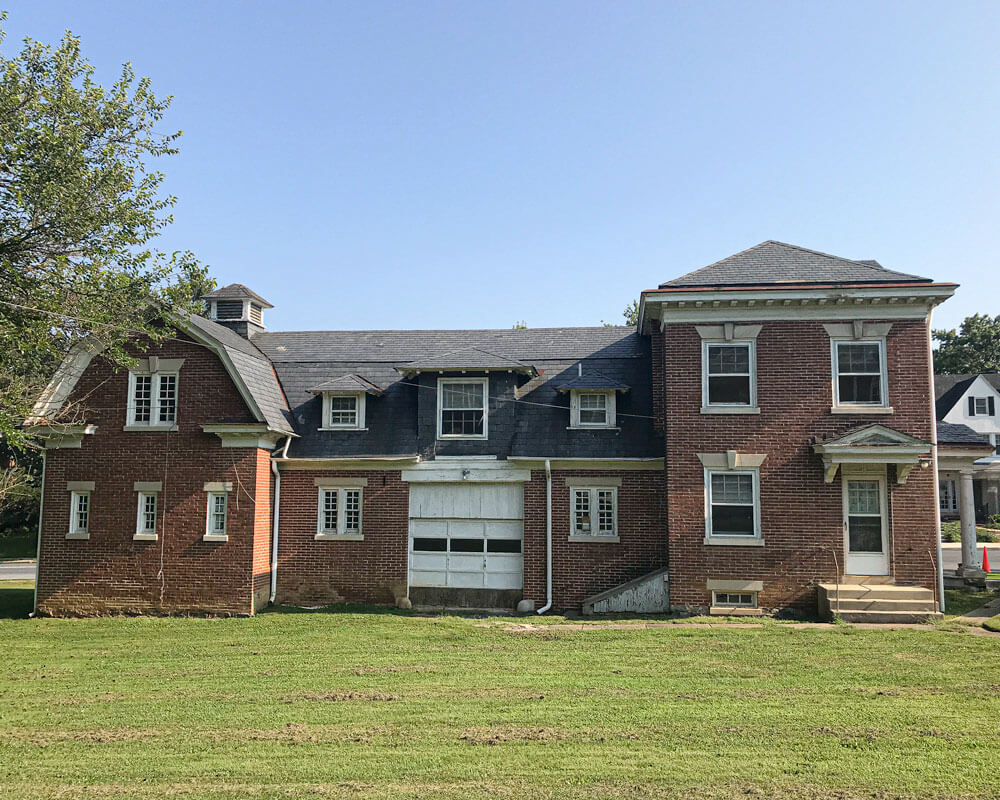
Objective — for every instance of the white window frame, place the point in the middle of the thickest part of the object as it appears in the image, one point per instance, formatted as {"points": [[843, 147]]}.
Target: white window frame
{"points": [[75, 530], [212, 535], [610, 408], [141, 531], [948, 491], [733, 539], [986, 406], [594, 535], [485, 382], [884, 376], [154, 400], [718, 603], [340, 533], [751, 344], [359, 409]]}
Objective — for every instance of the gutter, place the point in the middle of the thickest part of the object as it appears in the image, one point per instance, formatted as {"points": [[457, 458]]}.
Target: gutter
{"points": [[934, 463], [38, 549], [275, 516], [548, 538]]}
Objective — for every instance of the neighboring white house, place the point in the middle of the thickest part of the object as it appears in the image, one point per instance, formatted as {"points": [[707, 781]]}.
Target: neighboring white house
{"points": [[973, 401]]}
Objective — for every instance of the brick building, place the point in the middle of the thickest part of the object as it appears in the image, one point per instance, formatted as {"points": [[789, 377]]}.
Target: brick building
{"points": [[759, 437]]}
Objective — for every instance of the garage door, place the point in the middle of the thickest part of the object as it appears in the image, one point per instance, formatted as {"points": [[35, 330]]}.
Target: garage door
{"points": [[467, 535]]}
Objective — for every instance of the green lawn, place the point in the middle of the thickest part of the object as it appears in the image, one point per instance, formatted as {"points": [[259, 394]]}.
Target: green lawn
{"points": [[952, 532], [387, 705]]}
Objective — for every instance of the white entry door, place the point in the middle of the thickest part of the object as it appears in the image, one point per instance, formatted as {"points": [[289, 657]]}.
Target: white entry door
{"points": [[467, 535], [866, 525]]}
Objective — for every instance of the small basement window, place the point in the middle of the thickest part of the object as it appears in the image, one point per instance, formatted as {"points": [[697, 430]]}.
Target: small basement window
{"points": [[735, 599]]}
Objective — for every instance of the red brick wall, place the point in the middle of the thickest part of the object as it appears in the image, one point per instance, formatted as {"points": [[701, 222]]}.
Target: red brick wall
{"points": [[110, 572], [581, 569], [801, 514], [311, 571]]}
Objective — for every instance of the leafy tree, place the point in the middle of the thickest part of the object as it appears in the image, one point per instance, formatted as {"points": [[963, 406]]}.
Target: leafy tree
{"points": [[975, 347], [80, 206], [631, 313]]}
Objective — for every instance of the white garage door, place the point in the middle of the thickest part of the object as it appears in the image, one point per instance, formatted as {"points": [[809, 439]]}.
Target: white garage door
{"points": [[467, 535]]}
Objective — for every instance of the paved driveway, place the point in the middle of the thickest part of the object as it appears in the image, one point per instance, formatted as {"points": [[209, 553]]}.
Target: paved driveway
{"points": [[20, 570]]}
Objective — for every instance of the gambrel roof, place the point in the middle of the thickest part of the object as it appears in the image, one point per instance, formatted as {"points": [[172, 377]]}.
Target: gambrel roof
{"points": [[773, 262]]}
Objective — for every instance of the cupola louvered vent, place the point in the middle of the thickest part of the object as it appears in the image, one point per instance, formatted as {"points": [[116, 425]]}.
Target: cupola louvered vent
{"points": [[229, 309], [256, 314]]}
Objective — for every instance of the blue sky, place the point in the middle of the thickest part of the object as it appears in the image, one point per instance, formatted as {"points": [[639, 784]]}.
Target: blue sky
{"points": [[472, 164]]}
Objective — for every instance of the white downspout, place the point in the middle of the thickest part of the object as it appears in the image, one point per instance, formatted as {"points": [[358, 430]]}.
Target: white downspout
{"points": [[38, 550], [548, 538], [275, 513], [934, 463]]}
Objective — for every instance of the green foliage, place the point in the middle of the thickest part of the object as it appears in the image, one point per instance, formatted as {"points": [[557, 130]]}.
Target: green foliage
{"points": [[80, 207], [520, 325], [974, 348], [631, 313]]}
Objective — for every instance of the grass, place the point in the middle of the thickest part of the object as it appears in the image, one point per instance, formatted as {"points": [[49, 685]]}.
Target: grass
{"points": [[352, 705], [952, 532], [958, 602]]}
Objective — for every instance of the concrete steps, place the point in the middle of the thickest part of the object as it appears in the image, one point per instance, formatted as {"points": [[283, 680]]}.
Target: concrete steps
{"points": [[878, 603]]}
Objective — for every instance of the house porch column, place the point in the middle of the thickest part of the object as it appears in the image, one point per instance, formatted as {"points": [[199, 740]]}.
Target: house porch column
{"points": [[967, 515]]}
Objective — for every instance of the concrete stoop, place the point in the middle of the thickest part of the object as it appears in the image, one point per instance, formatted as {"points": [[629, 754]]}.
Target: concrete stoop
{"points": [[878, 603]]}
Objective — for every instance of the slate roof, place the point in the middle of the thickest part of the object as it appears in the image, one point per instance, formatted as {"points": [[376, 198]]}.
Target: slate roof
{"points": [[591, 379], [346, 383], [949, 388], [253, 367], [309, 359], [466, 358], [774, 262], [237, 291], [950, 433]]}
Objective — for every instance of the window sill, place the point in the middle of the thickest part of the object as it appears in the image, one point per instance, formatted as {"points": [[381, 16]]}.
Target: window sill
{"points": [[77, 535], [447, 438], [593, 538], [592, 428], [863, 410], [144, 537], [344, 430], [339, 537], [735, 611], [730, 410], [734, 541], [215, 537], [150, 428]]}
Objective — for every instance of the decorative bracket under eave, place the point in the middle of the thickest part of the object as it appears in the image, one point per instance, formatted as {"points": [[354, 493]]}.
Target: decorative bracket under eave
{"points": [[903, 472], [830, 470]]}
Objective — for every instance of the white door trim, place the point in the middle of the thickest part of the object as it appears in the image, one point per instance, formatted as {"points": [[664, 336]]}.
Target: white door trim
{"points": [[866, 563]]}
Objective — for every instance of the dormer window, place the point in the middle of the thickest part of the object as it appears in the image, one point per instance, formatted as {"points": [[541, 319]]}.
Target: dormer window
{"points": [[343, 412], [152, 394], [592, 408], [462, 408], [982, 407]]}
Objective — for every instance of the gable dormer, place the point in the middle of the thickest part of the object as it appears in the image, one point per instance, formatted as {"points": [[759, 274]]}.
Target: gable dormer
{"points": [[238, 308]]}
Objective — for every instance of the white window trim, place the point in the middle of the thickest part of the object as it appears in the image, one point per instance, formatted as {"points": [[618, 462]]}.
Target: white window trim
{"points": [[860, 408], [574, 535], [950, 487], [76, 532], [986, 406], [611, 420], [210, 535], [757, 540], [359, 424], [486, 408], [141, 534], [729, 408], [752, 604], [340, 535], [154, 401]]}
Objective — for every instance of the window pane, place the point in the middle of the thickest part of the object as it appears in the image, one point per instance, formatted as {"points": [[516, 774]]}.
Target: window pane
{"points": [[82, 514], [727, 488], [981, 405], [466, 545], [168, 398], [462, 423], [581, 511], [330, 510], [865, 534], [503, 546], [143, 397], [428, 545], [598, 401], [218, 516], [732, 520], [735, 390], [606, 512], [148, 519], [343, 410], [352, 510], [863, 497], [860, 388], [462, 395], [728, 359], [858, 358]]}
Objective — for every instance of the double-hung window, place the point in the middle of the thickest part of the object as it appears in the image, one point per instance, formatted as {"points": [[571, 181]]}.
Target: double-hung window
{"points": [[729, 374], [594, 512], [732, 505], [215, 526], [982, 407], [339, 512], [79, 514], [462, 408], [592, 409], [859, 377], [344, 412], [145, 524], [152, 399]]}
